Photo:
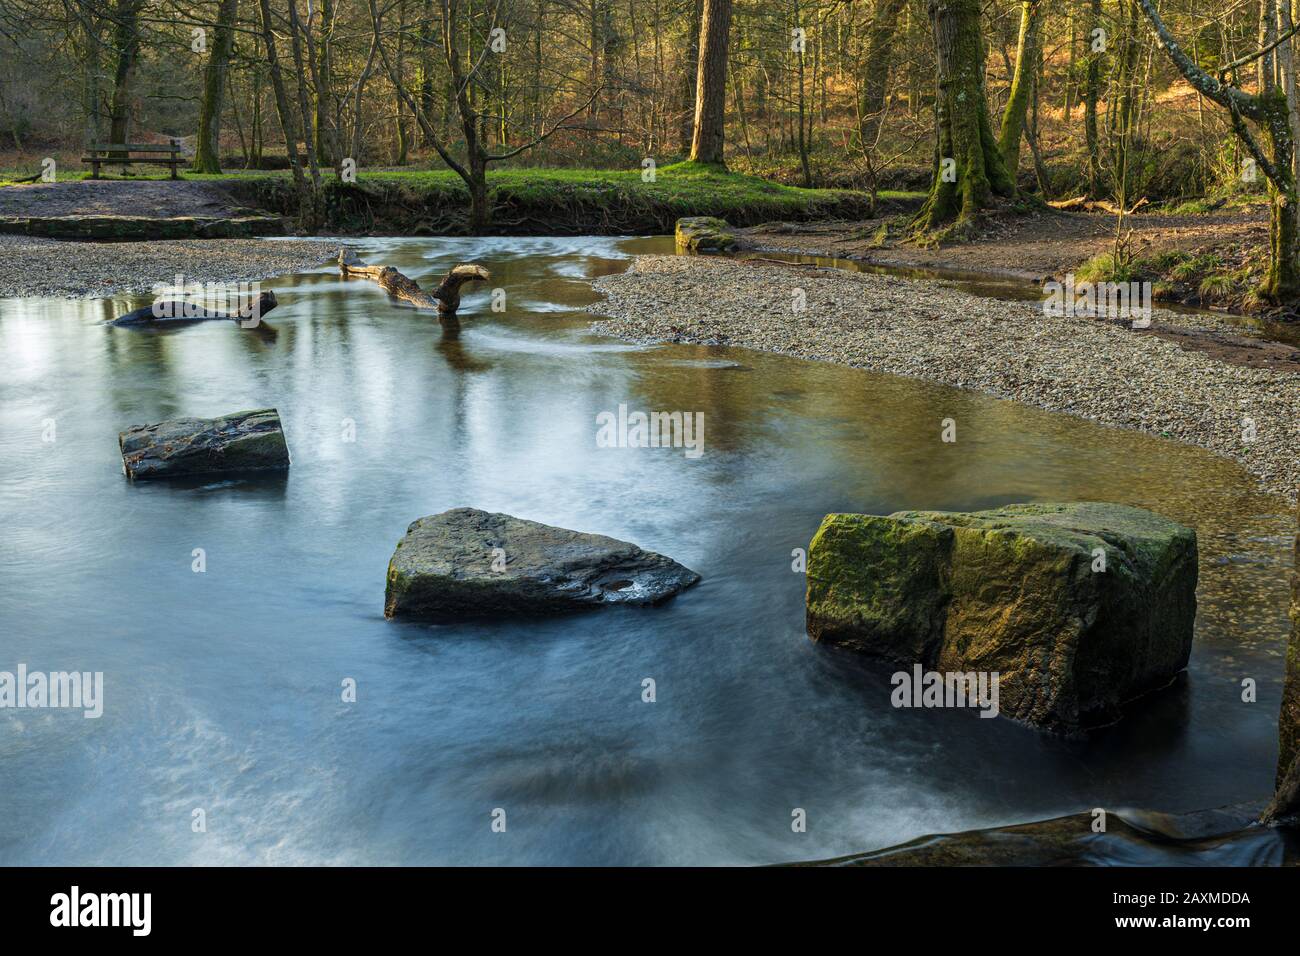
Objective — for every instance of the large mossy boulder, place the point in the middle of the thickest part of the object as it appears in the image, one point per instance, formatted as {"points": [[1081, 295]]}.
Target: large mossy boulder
{"points": [[705, 234], [467, 564], [1078, 607], [238, 442]]}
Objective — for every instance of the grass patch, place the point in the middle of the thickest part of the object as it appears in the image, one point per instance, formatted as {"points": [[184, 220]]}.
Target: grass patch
{"points": [[1106, 268], [533, 200], [558, 201], [1203, 278]]}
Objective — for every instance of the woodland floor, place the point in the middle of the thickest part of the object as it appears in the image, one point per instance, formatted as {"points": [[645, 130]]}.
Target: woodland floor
{"points": [[1034, 247]]}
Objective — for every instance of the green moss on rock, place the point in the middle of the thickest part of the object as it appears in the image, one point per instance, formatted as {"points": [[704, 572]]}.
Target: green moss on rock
{"points": [[1018, 590], [704, 234]]}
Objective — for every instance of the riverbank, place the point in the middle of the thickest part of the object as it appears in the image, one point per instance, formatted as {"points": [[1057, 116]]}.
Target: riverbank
{"points": [[32, 266], [1206, 259], [1092, 369], [435, 202]]}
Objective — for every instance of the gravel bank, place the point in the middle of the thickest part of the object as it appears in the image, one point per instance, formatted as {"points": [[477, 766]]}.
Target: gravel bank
{"points": [[1092, 369], [48, 267]]}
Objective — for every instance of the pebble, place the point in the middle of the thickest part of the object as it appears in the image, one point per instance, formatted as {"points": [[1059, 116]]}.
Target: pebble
{"points": [[32, 266]]}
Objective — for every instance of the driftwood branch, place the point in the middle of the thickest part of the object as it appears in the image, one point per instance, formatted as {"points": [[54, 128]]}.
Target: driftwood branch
{"points": [[445, 298], [1092, 205]]}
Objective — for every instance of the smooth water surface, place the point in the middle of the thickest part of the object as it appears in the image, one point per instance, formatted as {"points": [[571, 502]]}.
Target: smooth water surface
{"points": [[223, 688]]}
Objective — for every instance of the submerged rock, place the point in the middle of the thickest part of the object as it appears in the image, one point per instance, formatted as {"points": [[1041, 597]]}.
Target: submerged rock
{"points": [[183, 312], [240, 441], [705, 234], [1078, 607], [1220, 837], [466, 563]]}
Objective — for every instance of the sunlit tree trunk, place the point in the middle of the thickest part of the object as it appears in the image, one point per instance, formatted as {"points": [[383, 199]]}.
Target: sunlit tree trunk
{"points": [[1091, 93], [709, 135], [690, 75], [1022, 85]]}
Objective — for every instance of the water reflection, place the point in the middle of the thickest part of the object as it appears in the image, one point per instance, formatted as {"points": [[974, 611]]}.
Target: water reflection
{"points": [[222, 688]]}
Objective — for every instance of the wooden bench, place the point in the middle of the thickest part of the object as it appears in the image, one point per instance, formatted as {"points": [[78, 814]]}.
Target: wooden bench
{"points": [[119, 154]]}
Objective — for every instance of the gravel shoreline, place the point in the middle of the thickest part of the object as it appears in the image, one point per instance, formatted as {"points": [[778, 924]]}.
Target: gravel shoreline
{"points": [[1095, 370], [31, 266]]}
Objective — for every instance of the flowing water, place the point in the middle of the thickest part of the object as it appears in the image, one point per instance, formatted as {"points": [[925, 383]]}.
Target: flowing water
{"points": [[223, 688]]}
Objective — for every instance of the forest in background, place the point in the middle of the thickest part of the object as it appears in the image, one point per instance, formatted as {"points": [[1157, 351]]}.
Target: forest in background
{"points": [[817, 93], [973, 103]]}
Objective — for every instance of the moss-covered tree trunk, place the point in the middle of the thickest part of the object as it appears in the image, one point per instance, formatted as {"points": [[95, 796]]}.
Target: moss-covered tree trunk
{"points": [[1283, 283], [876, 66], [968, 169], [207, 147], [1022, 85], [709, 135]]}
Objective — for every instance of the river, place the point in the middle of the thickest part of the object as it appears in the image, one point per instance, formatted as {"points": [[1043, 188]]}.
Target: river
{"points": [[222, 689]]}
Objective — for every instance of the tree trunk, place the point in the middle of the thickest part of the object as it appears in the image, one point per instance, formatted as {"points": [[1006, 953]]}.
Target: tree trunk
{"points": [[126, 42], [709, 134], [1092, 91], [1269, 110], [875, 76], [1283, 283], [296, 43], [961, 188], [306, 201], [1267, 34], [207, 150], [690, 76], [323, 59], [1022, 84], [426, 69], [92, 70]]}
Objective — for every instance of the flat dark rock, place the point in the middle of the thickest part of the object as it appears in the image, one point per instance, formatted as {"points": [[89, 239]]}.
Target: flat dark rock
{"points": [[467, 563], [238, 442], [180, 312]]}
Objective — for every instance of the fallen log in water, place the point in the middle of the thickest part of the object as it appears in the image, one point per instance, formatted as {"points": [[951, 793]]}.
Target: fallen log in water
{"points": [[445, 298]]}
